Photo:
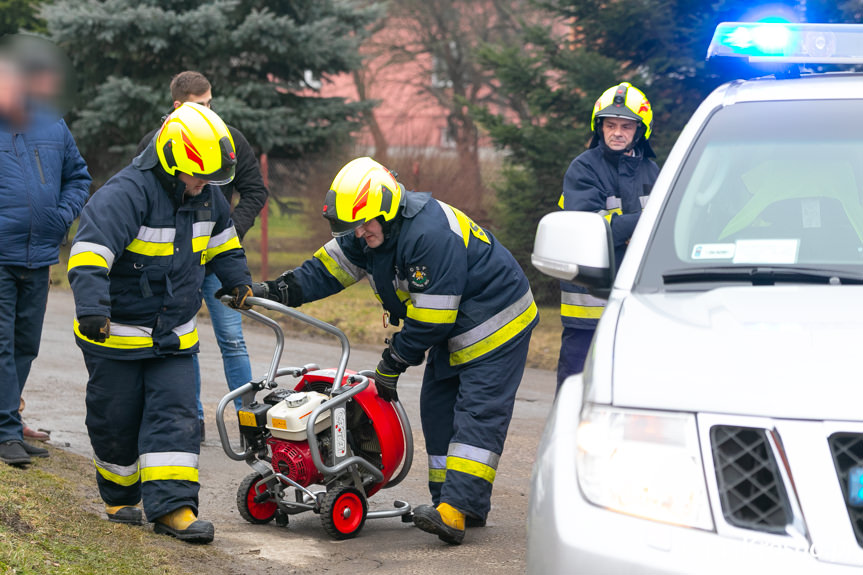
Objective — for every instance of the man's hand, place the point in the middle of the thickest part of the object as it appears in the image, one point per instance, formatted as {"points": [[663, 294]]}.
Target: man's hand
{"points": [[387, 375], [285, 290], [238, 296], [95, 327]]}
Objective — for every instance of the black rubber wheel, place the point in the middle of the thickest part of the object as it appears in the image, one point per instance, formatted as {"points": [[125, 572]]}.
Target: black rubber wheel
{"points": [[251, 510], [343, 512]]}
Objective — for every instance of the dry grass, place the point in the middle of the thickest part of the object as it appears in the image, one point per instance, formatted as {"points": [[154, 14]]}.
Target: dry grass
{"points": [[51, 524]]}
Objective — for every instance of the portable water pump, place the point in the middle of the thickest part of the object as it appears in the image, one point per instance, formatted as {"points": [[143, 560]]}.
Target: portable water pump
{"points": [[330, 429]]}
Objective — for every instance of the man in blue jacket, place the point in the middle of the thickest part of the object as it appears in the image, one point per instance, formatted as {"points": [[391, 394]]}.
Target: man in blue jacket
{"points": [[613, 177], [136, 269], [44, 183], [462, 297]]}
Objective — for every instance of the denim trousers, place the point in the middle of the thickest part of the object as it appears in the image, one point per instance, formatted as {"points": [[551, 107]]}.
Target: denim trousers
{"points": [[228, 328], [23, 297]]}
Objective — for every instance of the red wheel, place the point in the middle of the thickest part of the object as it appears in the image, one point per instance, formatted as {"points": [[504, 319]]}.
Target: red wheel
{"points": [[251, 510], [343, 512]]}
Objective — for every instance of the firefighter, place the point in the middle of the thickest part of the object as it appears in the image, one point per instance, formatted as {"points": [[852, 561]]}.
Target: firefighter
{"points": [[136, 268], [613, 177], [462, 297]]}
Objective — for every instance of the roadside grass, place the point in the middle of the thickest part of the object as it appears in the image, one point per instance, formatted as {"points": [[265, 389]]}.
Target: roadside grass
{"points": [[291, 239], [52, 523]]}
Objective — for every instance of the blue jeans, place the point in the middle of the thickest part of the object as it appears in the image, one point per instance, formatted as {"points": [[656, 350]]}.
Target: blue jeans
{"points": [[23, 297], [228, 327]]}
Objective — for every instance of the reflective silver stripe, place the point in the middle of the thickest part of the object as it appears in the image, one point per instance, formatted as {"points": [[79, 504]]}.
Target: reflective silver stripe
{"points": [[222, 238], [121, 470], [124, 330], [582, 299], [156, 235], [613, 203], [202, 229], [82, 247], [334, 250], [437, 461], [452, 219], [491, 325], [643, 200], [169, 459], [428, 301], [183, 329], [372, 283], [401, 285], [477, 454]]}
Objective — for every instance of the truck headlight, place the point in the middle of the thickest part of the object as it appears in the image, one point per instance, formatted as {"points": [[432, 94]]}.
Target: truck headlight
{"points": [[643, 463]]}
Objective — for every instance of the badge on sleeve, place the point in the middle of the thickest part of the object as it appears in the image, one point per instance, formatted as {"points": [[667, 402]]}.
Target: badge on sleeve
{"points": [[418, 277]]}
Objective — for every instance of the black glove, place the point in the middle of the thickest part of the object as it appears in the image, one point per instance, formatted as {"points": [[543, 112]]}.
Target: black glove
{"points": [[286, 290], [387, 375], [238, 296], [95, 327]]}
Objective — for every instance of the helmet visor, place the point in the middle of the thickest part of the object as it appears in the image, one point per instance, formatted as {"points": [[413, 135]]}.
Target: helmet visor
{"points": [[227, 168], [340, 228]]}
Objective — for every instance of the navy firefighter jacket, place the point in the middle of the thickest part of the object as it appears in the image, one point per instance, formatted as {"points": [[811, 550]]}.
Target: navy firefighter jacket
{"points": [[139, 258], [451, 282], [616, 186]]}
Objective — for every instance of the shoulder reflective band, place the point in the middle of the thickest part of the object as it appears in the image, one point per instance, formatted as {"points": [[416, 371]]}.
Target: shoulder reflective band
{"points": [[334, 259]]}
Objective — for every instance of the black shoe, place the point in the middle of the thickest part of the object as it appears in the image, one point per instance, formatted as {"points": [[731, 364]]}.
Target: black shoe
{"points": [[429, 520], [13, 452], [203, 434], [471, 521], [130, 515], [35, 450], [200, 531]]}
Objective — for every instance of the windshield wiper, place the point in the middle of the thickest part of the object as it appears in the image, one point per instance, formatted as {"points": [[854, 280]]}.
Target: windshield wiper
{"points": [[761, 275]]}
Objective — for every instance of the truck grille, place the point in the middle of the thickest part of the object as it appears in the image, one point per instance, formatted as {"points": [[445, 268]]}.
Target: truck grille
{"points": [[847, 450], [751, 490]]}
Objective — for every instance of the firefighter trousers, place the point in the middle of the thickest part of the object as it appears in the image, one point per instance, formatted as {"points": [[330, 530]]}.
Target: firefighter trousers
{"points": [[465, 418], [144, 430]]}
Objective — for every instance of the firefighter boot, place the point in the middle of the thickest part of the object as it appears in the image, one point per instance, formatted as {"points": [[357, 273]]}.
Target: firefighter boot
{"points": [[128, 514], [445, 521], [185, 526]]}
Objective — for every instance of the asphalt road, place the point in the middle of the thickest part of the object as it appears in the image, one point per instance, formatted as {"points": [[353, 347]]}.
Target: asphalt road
{"points": [[55, 401]]}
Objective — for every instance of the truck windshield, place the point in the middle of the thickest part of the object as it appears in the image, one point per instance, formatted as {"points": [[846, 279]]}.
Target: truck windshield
{"points": [[775, 184]]}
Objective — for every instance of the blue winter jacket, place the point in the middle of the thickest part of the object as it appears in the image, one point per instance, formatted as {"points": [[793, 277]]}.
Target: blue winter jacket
{"points": [[617, 186], [451, 282], [44, 183], [139, 258]]}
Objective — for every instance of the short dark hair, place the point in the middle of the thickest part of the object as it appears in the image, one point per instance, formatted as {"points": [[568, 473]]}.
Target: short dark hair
{"points": [[188, 83]]}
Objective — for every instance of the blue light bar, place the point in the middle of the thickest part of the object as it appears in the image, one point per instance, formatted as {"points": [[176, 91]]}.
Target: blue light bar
{"points": [[788, 43]]}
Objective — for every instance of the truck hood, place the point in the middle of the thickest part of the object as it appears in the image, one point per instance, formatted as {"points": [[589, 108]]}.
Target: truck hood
{"points": [[777, 351]]}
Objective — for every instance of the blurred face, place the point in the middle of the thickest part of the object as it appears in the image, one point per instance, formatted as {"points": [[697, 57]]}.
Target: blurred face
{"points": [[372, 232], [194, 186], [203, 99], [618, 133], [11, 89]]}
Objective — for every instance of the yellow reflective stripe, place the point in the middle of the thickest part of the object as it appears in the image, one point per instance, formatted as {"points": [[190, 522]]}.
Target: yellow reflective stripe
{"points": [[199, 244], [560, 202], [342, 275], [607, 214], [471, 468], [150, 248], [87, 259], [231, 244], [188, 340], [437, 475], [167, 472], [403, 296], [118, 341], [431, 315], [498, 338], [124, 480], [581, 311], [466, 225]]}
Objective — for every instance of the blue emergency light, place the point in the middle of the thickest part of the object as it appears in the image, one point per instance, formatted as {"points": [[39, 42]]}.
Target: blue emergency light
{"points": [[788, 43]]}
